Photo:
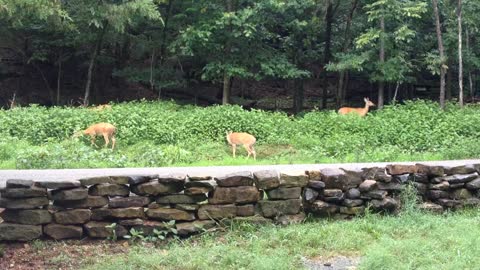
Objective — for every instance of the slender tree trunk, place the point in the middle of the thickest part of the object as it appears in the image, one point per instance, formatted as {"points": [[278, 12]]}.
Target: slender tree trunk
{"points": [[326, 52], [47, 84], [152, 67], [92, 64], [298, 96], [460, 60], [340, 99], [381, 84], [59, 77], [448, 83], [226, 89], [441, 51], [470, 81]]}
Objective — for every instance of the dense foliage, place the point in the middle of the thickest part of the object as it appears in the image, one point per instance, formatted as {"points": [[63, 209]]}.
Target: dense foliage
{"points": [[164, 133]]}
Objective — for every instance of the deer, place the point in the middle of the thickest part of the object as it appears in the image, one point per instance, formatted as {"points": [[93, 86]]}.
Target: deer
{"points": [[107, 130], [360, 111], [101, 107], [244, 139]]}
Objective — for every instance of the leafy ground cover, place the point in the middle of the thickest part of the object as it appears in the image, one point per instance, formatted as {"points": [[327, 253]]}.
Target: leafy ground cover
{"points": [[167, 134]]}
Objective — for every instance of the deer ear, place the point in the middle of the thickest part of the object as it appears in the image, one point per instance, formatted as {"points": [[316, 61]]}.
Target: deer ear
{"points": [[365, 99]]}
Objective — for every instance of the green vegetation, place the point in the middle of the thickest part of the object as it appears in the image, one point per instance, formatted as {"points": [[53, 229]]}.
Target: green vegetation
{"points": [[167, 134], [412, 240]]}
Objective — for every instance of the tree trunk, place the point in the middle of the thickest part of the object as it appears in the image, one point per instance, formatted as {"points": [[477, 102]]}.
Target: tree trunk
{"points": [[382, 60], [470, 81], [448, 83], [92, 64], [47, 84], [340, 99], [326, 52], [226, 77], [441, 51], [59, 77], [460, 61], [298, 96]]}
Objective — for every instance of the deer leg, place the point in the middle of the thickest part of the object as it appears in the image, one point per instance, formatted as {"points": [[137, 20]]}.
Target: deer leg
{"points": [[105, 137], [234, 146], [92, 140], [113, 142], [253, 152], [248, 150]]}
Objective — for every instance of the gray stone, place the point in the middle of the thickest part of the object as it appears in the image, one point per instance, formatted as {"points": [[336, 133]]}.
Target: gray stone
{"points": [[266, 179], [69, 194], [50, 184], [26, 203], [456, 178], [19, 232], [471, 202], [437, 194], [95, 180], [284, 193], [109, 213], [336, 193], [392, 186], [244, 178], [149, 226], [176, 179], [217, 211], [474, 184], [131, 222], [156, 188], [317, 185], [367, 185], [19, 183], [339, 179], [245, 210], [187, 207], [109, 190], [421, 187], [58, 232], [210, 184], [120, 180], [15, 193], [449, 203], [352, 210], [277, 208], [293, 179], [310, 195], [96, 229], [89, 202], [418, 177], [29, 217], [199, 177], [323, 208], [181, 199], [376, 173], [461, 194], [441, 186], [125, 202], [197, 190], [395, 169], [431, 207], [170, 214], [431, 171], [258, 220], [314, 175], [352, 203], [242, 194], [290, 219], [375, 194], [462, 169], [353, 193], [401, 178], [187, 228], [75, 216], [140, 179], [456, 186], [387, 204]]}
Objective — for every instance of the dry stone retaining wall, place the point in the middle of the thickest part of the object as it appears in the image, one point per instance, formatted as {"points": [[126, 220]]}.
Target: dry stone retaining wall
{"points": [[87, 207]]}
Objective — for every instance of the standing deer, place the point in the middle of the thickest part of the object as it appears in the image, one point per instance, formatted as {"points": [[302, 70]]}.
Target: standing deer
{"points": [[105, 129], [360, 111], [244, 139]]}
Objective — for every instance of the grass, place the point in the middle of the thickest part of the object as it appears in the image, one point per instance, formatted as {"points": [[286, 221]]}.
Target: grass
{"points": [[411, 240]]}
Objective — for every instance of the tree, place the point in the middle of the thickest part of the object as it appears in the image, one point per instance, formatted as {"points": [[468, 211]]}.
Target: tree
{"points": [[460, 61], [443, 66]]}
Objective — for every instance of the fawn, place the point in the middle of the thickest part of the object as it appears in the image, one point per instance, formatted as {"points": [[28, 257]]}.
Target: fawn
{"points": [[360, 111], [244, 139], [105, 129]]}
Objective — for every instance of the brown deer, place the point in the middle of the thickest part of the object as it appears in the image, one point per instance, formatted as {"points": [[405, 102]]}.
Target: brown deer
{"points": [[360, 111], [244, 139], [107, 130], [101, 107]]}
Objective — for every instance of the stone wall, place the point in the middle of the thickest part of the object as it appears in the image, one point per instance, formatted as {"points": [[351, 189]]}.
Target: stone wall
{"points": [[86, 208]]}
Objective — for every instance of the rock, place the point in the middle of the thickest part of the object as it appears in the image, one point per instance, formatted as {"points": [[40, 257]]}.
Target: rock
{"points": [[367, 185], [375, 194], [58, 184], [314, 175], [441, 186], [449, 203], [149, 226], [431, 171], [284, 193], [339, 179], [323, 208], [418, 177], [125, 202], [242, 194], [15, 193], [186, 228], [353, 193], [317, 185], [109, 190], [156, 188], [69, 194], [131, 222], [392, 186], [121, 180], [27, 203], [199, 177], [376, 173], [245, 210], [95, 180], [277, 208], [187, 207], [139, 179], [170, 214], [96, 229], [431, 207], [210, 184], [462, 169], [181, 199], [456, 186], [267, 179], [290, 219], [456, 178], [352, 203], [244, 178], [19, 232], [75, 216], [257, 220], [197, 190], [89, 202], [474, 184], [352, 210], [217, 211], [437, 194], [421, 187], [401, 178], [108, 213], [19, 183], [29, 217], [310, 195], [461, 194], [57, 231], [387, 204], [177, 179], [155, 205], [293, 179], [471, 202], [395, 169]]}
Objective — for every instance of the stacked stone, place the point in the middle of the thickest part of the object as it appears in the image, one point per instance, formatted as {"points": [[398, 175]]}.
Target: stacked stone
{"points": [[283, 195], [24, 212]]}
